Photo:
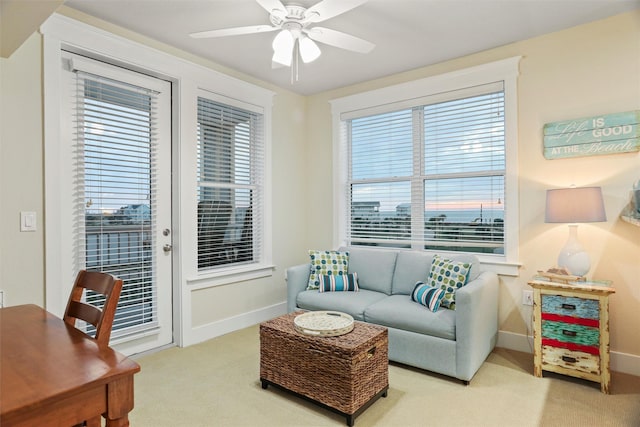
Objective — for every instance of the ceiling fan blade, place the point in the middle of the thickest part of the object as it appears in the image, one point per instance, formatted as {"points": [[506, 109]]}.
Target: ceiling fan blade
{"points": [[274, 7], [251, 29], [339, 39], [329, 8]]}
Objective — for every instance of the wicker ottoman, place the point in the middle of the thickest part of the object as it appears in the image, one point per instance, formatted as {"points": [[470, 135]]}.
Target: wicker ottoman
{"points": [[345, 374]]}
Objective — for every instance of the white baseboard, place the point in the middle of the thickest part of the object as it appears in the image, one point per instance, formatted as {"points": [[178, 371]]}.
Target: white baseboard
{"points": [[230, 324], [517, 342], [620, 362]]}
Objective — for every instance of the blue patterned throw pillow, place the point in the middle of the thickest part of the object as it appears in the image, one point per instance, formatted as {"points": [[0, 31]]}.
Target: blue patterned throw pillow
{"points": [[340, 283], [427, 296], [325, 263], [449, 276]]}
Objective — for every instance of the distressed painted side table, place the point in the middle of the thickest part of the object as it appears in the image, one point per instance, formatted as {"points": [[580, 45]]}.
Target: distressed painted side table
{"points": [[571, 329]]}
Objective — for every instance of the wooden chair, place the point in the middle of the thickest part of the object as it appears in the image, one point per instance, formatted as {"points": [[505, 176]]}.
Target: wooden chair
{"points": [[102, 283]]}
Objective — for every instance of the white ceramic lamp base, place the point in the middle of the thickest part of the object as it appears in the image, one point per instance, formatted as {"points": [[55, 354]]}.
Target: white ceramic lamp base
{"points": [[573, 256]]}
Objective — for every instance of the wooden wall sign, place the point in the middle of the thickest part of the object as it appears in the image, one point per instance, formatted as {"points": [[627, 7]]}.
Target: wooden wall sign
{"points": [[593, 136]]}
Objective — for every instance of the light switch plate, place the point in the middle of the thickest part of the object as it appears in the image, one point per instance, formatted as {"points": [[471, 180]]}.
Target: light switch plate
{"points": [[28, 221]]}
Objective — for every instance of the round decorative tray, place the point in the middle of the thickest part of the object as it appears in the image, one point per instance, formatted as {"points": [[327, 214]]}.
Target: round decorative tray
{"points": [[323, 323]]}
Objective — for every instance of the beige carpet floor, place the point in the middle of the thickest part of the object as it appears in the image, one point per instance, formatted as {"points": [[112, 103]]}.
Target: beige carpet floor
{"points": [[216, 383]]}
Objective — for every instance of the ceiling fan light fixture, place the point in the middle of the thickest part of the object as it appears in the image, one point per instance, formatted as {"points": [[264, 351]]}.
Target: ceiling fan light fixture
{"points": [[283, 48], [309, 50], [297, 35], [283, 40]]}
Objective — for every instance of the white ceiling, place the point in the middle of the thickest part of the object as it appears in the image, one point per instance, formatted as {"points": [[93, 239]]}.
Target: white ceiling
{"points": [[408, 34]]}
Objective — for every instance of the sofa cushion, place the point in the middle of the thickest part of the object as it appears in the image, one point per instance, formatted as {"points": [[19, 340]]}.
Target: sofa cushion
{"points": [[374, 267], [414, 266], [339, 283], [353, 303], [428, 296], [398, 311], [411, 267], [325, 263], [449, 276]]}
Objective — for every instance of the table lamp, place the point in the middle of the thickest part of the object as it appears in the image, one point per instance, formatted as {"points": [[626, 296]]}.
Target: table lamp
{"points": [[574, 205]]}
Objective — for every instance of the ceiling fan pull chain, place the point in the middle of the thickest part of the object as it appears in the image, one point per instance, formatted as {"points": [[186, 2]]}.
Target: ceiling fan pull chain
{"points": [[291, 69], [297, 60]]}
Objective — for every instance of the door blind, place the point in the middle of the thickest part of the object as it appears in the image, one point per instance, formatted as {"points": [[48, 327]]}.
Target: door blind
{"points": [[115, 188], [230, 184]]}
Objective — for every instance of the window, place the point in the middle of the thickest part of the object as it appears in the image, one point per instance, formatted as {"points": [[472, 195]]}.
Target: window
{"points": [[230, 172], [432, 172]]}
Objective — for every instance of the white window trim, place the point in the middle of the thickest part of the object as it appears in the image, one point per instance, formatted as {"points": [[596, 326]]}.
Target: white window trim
{"points": [[412, 93], [60, 32]]}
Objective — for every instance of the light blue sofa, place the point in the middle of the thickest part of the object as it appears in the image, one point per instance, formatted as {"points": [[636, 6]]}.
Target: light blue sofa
{"points": [[450, 342]]}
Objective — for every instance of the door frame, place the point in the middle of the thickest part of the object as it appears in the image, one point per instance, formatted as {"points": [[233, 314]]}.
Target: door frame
{"points": [[56, 267]]}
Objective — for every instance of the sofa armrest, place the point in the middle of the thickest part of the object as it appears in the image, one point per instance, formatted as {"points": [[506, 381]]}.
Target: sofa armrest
{"points": [[297, 280], [476, 323]]}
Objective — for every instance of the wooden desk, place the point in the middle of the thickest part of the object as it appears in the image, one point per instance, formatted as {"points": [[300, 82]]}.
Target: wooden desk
{"points": [[52, 374]]}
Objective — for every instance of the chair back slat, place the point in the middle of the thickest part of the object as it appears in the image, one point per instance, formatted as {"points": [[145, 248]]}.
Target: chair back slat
{"points": [[86, 312], [101, 283]]}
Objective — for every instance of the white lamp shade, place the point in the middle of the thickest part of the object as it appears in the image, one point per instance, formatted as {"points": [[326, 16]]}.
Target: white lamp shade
{"points": [[309, 50], [575, 205]]}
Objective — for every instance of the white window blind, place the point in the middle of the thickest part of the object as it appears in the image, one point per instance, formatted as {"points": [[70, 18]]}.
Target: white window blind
{"points": [[115, 180], [464, 168], [230, 185], [429, 176]]}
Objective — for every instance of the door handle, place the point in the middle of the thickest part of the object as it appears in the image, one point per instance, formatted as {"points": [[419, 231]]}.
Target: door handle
{"points": [[167, 248]]}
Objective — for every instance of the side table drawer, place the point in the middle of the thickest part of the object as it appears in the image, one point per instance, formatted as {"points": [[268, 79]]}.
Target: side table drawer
{"points": [[571, 306], [571, 333], [574, 360]]}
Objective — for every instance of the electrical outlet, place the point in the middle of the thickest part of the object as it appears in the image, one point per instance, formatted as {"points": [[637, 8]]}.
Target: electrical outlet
{"points": [[527, 297]]}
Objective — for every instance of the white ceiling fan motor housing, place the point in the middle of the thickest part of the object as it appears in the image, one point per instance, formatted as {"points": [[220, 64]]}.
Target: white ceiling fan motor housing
{"points": [[293, 21]]}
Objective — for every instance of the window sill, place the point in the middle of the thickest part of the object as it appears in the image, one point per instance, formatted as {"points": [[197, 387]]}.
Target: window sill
{"points": [[501, 268], [229, 275]]}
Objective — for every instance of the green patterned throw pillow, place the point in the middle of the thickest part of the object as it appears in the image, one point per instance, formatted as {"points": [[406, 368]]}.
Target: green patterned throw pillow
{"points": [[449, 276], [325, 263]]}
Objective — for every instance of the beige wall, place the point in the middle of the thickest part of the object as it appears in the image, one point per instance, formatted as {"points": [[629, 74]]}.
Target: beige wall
{"points": [[18, 20], [21, 175], [588, 70]]}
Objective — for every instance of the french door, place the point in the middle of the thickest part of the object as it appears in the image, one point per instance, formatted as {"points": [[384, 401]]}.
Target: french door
{"points": [[117, 137]]}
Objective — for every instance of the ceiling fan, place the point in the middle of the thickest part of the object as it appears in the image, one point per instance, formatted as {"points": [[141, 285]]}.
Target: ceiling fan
{"points": [[298, 32]]}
